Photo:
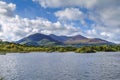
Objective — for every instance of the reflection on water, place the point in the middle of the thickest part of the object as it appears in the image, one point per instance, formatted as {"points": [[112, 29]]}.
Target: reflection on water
{"points": [[57, 66]]}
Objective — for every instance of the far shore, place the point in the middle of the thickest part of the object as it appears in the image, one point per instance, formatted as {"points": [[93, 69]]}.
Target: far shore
{"points": [[18, 48]]}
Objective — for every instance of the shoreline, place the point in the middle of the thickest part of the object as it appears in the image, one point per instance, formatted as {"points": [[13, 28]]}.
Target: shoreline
{"points": [[4, 53]]}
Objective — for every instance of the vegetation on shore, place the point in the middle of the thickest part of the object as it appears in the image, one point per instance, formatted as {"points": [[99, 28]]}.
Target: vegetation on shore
{"points": [[6, 47]]}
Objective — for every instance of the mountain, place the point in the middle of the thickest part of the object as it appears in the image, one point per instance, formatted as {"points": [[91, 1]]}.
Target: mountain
{"points": [[38, 40], [41, 39]]}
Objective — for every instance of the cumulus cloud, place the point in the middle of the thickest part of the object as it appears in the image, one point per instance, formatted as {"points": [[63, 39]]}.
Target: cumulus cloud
{"points": [[7, 9], [69, 14], [14, 27]]}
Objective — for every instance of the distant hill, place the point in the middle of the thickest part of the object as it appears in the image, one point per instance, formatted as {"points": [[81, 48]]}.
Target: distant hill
{"points": [[42, 40]]}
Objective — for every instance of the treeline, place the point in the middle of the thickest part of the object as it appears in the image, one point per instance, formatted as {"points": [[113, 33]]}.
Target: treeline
{"points": [[7, 47]]}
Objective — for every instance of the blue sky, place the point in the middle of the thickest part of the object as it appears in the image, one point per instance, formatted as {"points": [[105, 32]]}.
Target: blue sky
{"points": [[90, 18]]}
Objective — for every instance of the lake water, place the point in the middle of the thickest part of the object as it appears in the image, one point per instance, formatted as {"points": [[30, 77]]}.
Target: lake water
{"points": [[59, 66]]}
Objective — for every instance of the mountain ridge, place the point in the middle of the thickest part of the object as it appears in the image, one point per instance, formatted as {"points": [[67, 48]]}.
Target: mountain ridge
{"points": [[39, 39]]}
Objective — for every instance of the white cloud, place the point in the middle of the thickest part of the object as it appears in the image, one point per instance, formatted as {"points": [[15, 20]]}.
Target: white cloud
{"points": [[7, 9], [70, 14]]}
